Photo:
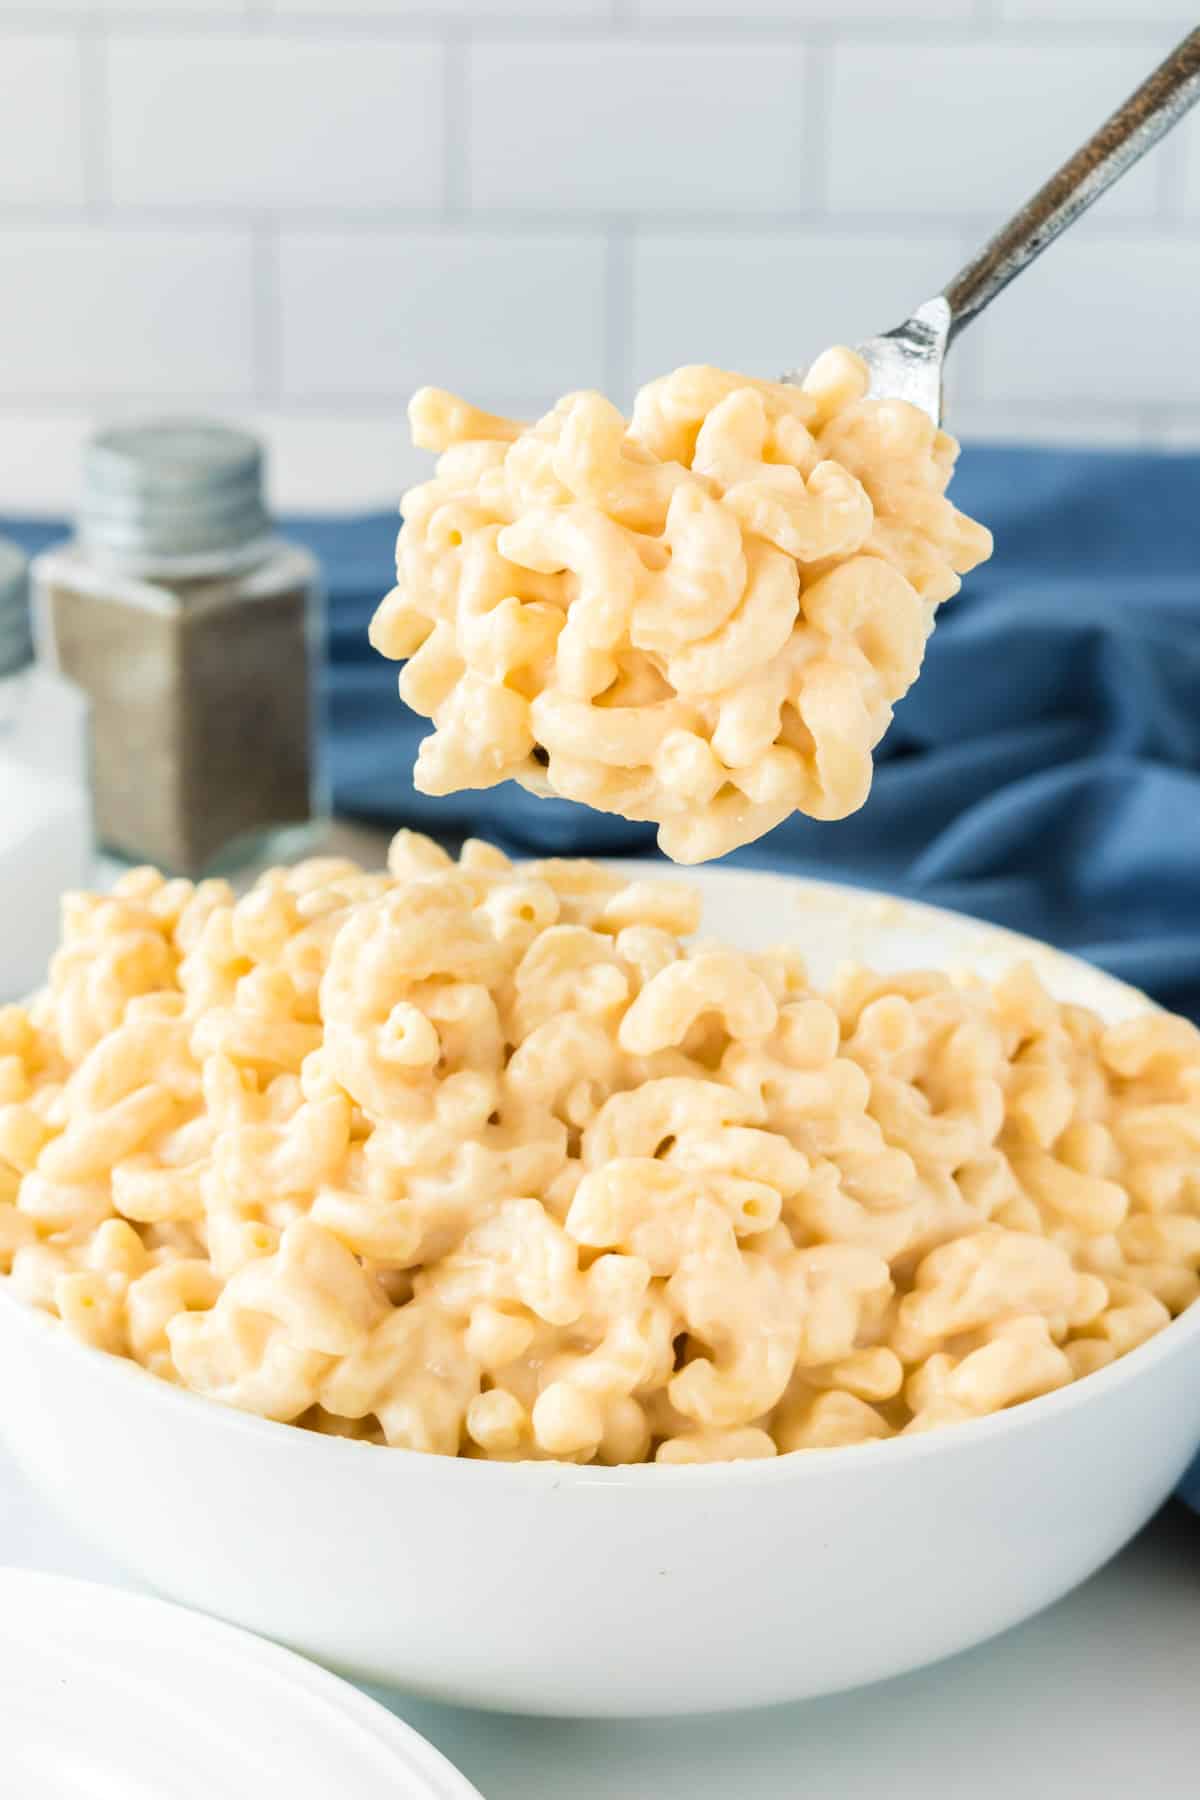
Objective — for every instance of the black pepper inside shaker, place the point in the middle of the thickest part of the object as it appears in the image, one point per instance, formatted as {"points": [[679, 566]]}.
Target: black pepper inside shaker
{"points": [[195, 630]]}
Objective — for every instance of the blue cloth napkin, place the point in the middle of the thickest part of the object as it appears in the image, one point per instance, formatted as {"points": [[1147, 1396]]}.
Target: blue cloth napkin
{"points": [[1044, 772]]}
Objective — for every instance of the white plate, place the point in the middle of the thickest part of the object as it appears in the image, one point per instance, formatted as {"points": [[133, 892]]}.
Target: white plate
{"points": [[108, 1696]]}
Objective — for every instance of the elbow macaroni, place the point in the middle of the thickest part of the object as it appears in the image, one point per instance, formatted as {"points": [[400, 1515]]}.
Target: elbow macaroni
{"points": [[489, 1160], [702, 617]]}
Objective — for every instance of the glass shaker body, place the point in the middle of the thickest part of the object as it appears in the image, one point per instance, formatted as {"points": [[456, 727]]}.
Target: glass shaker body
{"points": [[197, 634], [205, 738]]}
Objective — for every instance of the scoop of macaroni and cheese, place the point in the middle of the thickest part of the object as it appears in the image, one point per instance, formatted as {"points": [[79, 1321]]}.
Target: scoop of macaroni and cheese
{"points": [[702, 616], [491, 1160]]}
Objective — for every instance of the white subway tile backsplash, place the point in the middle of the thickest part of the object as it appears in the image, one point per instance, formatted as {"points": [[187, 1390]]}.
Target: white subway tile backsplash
{"points": [[261, 122], [316, 461], [973, 128], [1100, 320], [106, 310], [1020, 422], [41, 153], [638, 126], [766, 304], [295, 211], [338, 461], [507, 320]]}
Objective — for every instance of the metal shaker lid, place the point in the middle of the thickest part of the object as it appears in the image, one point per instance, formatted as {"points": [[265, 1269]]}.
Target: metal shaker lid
{"points": [[172, 488]]}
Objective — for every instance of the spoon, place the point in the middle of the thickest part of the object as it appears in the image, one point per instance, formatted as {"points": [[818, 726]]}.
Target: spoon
{"points": [[906, 363]]}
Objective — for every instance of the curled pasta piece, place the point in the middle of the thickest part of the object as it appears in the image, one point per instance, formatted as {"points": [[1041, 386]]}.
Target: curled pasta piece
{"points": [[713, 981]]}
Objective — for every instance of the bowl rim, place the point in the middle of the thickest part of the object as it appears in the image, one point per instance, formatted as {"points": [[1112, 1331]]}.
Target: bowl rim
{"points": [[48, 1332], [752, 1471], [867, 899]]}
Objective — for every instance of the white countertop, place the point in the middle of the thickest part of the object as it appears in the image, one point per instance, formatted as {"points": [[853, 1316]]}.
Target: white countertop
{"points": [[1097, 1698]]}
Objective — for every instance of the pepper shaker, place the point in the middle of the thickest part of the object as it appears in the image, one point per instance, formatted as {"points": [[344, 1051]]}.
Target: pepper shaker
{"points": [[195, 631]]}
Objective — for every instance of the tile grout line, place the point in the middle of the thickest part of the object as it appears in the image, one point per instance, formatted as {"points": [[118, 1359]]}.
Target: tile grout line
{"points": [[456, 126], [984, 25], [554, 221], [265, 311], [95, 107], [360, 408], [618, 311], [817, 136]]}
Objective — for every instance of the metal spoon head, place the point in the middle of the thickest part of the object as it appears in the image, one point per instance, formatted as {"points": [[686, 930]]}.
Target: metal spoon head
{"points": [[906, 363]]}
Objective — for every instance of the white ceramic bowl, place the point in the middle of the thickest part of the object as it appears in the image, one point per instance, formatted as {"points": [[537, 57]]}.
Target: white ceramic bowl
{"points": [[547, 1588]]}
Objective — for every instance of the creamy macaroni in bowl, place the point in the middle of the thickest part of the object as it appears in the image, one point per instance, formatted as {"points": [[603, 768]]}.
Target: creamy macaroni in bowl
{"points": [[702, 616], [500, 1161]]}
